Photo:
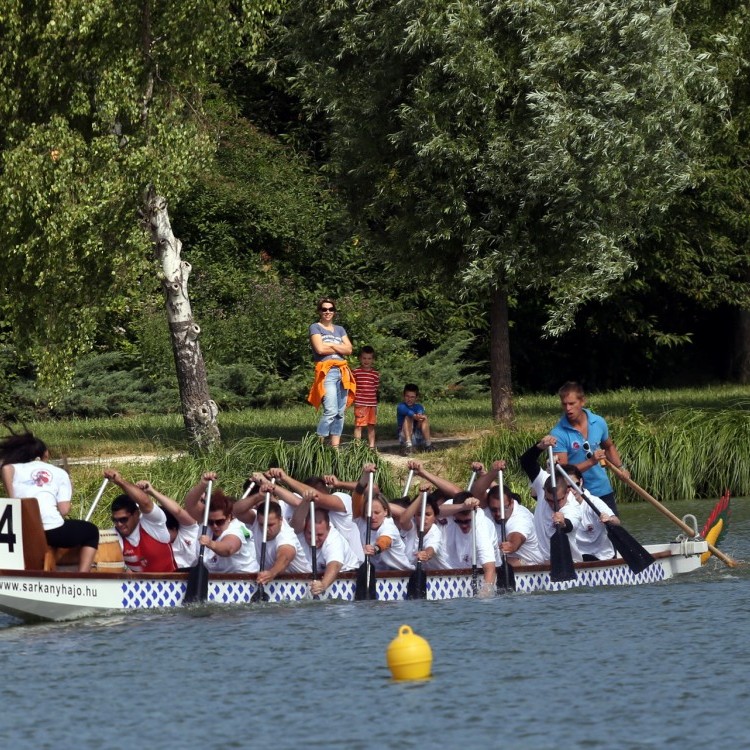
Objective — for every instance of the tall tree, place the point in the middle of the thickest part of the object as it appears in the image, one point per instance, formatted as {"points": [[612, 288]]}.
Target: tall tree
{"points": [[97, 100], [514, 145]]}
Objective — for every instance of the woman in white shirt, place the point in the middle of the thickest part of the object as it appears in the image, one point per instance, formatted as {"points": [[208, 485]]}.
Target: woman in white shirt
{"points": [[26, 473]]}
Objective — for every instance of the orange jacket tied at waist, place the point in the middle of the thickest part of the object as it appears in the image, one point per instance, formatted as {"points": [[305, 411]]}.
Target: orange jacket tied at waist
{"points": [[317, 390]]}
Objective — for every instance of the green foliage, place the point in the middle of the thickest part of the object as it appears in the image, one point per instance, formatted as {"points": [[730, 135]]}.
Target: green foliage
{"points": [[496, 137], [97, 99], [104, 384]]}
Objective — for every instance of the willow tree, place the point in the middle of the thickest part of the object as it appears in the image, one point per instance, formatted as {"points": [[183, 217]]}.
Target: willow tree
{"points": [[99, 99], [518, 146]]}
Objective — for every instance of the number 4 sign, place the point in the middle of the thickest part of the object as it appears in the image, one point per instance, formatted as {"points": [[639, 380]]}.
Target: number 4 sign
{"points": [[11, 539]]}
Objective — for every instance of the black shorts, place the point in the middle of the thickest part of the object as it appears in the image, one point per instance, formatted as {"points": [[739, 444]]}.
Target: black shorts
{"points": [[74, 533]]}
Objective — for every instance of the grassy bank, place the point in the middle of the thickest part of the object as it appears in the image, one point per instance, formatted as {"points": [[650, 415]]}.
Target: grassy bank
{"points": [[678, 443]]}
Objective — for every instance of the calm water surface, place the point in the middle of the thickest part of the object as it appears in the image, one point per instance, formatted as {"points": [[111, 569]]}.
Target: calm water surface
{"points": [[622, 668]]}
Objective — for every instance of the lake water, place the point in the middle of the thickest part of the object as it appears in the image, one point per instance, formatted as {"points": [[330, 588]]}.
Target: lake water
{"points": [[640, 667]]}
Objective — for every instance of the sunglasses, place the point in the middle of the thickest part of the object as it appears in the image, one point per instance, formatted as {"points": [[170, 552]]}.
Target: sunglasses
{"points": [[463, 522], [119, 520], [217, 521], [587, 448], [327, 309]]}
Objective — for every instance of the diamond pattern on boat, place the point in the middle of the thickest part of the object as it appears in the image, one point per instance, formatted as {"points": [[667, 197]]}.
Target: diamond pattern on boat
{"points": [[619, 575], [151, 594], [154, 593]]}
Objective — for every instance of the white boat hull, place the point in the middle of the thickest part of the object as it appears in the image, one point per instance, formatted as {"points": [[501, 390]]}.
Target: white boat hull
{"points": [[36, 595]]}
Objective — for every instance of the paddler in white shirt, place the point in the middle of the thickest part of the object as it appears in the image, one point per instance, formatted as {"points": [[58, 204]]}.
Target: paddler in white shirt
{"points": [[332, 552]]}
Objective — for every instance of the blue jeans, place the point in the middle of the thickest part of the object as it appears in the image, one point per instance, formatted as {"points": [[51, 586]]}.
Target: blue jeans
{"points": [[334, 405]]}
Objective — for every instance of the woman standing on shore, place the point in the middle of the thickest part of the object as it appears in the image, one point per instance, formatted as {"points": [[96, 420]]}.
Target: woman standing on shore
{"points": [[26, 473], [333, 385]]}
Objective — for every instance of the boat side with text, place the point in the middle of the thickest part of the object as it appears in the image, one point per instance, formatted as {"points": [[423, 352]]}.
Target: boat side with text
{"points": [[29, 592]]}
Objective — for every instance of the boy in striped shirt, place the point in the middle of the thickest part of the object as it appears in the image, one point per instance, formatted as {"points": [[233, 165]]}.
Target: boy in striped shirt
{"points": [[367, 379]]}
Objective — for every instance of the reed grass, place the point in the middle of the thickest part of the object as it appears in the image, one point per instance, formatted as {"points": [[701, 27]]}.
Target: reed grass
{"points": [[677, 454], [176, 475]]}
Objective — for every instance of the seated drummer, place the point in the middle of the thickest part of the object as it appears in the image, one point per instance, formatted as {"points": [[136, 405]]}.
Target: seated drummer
{"points": [[142, 529]]}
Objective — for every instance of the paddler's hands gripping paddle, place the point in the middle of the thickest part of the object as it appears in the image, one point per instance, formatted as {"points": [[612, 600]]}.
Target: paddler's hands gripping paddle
{"points": [[631, 550], [506, 578], [417, 586], [365, 586], [561, 558], [197, 583]]}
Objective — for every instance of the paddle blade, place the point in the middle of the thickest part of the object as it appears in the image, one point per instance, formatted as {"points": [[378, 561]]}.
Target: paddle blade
{"points": [[259, 595], [365, 586], [197, 583], [630, 549], [416, 588], [506, 577], [561, 558]]}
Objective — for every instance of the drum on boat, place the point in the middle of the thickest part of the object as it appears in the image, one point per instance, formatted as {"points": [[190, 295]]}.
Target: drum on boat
{"points": [[109, 555]]}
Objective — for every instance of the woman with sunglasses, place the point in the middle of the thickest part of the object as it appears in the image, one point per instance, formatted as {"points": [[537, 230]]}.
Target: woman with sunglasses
{"points": [[387, 549], [26, 473], [229, 544], [333, 384]]}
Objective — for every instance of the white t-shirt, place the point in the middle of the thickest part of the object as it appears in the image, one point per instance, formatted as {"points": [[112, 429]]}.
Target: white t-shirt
{"points": [[393, 558], [434, 538], [242, 561], [521, 521], [545, 528], [155, 524], [286, 536], [185, 546], [334, 549], [344, 523], [591, 536], [49, 484], [459, 545]]}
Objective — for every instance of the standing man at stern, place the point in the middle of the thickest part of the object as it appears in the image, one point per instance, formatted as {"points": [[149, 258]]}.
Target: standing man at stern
{"points": [[583, 440]]}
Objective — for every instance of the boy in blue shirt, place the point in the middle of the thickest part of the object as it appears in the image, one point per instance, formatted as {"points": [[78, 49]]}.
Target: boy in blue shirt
{"points": [[412, 422]]}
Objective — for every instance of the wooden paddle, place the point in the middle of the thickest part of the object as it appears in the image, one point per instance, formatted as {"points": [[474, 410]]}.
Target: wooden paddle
{"points": [[631, 550], [260, 594], [506, 578], [197, 583], [560, 556], [96, 500], [668, 513], [313, 545], [365, 585], [417, 586]]}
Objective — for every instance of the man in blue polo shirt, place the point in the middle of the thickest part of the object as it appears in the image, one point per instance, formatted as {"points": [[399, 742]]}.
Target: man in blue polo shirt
{"points": [[583, 440]]}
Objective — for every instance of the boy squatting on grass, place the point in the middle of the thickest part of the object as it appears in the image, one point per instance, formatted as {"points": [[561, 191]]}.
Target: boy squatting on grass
{"points": [[367, 379], [412, 422]]}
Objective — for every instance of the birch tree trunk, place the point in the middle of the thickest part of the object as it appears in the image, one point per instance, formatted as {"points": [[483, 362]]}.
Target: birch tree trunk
{"points": [[500, 372], [198, 410]]}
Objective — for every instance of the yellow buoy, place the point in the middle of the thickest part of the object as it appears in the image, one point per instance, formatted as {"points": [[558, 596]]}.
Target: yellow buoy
{"points": [[409, 656]]}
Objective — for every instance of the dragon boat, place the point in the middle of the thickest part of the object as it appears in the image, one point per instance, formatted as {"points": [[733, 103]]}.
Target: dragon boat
{"points": [[36, 584]]}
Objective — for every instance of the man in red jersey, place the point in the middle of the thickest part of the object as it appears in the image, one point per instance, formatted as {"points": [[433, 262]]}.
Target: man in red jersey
{"points": [[142, 527]]}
